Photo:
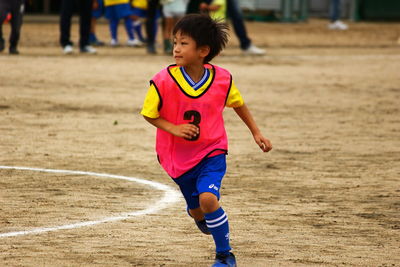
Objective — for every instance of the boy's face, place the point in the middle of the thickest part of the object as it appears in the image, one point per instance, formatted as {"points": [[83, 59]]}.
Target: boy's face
{"points": [[186, 52]]}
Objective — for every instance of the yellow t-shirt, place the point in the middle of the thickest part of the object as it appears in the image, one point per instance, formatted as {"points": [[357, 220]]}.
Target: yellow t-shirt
{"points": [[219, 14], [152, 100], [142, 4], [115, 2]]}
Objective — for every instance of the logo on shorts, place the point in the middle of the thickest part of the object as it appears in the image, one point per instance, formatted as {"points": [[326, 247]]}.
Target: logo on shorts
{"points": [[212, 186]]}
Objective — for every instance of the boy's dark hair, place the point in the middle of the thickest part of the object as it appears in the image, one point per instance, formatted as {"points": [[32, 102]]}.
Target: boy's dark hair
{"points": [[205, 32]]}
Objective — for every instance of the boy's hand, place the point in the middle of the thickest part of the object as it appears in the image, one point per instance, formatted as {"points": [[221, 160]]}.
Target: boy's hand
{"points": [[263, 143], [188, 131]]}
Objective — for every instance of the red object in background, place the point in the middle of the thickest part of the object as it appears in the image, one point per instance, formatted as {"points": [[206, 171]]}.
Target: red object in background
{"points": [[8, 18]]}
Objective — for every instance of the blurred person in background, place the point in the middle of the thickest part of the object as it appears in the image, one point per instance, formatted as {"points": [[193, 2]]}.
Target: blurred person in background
{"points": [[172, 10], [216, 9], [97, 13], [335, 14], [116, 10], [153, 9], [235, 14], [85, 16], [139, 14], [14, 11]]}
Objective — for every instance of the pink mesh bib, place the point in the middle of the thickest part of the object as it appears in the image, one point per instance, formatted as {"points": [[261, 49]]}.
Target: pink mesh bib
{"points": [[177, 155]]}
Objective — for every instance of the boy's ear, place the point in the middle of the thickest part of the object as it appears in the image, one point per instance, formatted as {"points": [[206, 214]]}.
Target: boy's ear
{"points": [[204, 50]]}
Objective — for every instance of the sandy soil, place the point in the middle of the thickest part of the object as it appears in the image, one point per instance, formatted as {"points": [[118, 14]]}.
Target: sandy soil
{"points": [[327, 195]]}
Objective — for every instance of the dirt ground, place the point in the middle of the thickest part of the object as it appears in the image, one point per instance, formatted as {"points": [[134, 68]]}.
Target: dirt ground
{"points": [[327, 195]]}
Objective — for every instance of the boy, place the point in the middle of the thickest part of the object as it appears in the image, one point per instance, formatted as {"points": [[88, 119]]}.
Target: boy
{"points": [[185, 102]]}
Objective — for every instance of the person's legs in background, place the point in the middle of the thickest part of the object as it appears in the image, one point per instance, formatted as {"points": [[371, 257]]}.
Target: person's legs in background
{"points": [[113, 24], [335, 10], [137, 28], [85, 16], [17, 12], [335, 14], [236, 16], [129, 31], [151, 25], [97, 13], [67, 7]]}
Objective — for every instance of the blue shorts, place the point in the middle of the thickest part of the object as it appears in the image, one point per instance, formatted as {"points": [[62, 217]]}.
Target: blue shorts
{"points": [[139, 12], [117, 12], [204, 177]]}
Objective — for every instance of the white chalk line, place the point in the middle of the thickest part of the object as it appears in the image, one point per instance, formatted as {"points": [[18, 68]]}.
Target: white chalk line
{"points": [[170, 196]]}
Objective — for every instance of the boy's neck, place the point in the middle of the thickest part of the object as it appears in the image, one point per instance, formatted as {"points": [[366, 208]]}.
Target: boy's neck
{"points": [[195, 72]]}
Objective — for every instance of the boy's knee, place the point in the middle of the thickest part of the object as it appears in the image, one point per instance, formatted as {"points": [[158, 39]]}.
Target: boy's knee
{"points": [[208, 202]]}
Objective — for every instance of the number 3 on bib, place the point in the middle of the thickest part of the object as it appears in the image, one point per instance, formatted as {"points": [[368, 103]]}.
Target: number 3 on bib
{"points": [[195, 119]]}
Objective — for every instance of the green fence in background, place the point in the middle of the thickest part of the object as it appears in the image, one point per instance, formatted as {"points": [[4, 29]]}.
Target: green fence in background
{"points": [[378, 10]]}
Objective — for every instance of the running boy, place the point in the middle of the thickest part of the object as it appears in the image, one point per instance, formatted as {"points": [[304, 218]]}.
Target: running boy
{"points": [[185, 102]]}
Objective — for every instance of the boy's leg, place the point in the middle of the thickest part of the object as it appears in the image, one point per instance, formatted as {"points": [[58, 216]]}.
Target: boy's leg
{"points": [[188, 186], [137, 27], [169, 25], [209, 185], [198, 216], [217, 221], [218, 225], [92, 36], [129, 28], [114, 29], [97, 13]]}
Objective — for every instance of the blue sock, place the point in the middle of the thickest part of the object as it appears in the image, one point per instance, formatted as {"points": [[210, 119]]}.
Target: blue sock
{"points": [[92, 37], [129, 28], [114, 28], [217, 223]]}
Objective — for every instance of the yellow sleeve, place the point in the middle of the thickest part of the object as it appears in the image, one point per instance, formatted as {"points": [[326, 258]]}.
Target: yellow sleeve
{"points": [[115, 2], [151, 103], [234, 99]]}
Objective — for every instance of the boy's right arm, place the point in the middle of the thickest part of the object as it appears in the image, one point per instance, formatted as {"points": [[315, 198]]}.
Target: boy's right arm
{"points": [[187, 131], [150, 112]]}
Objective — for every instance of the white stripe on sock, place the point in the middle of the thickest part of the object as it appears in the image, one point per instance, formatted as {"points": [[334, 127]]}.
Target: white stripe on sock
{"points": [[218, 224], [216, 220]]}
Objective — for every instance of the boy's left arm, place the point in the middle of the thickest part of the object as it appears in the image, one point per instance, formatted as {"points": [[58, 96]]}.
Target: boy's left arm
{"points": [[244, 113]]}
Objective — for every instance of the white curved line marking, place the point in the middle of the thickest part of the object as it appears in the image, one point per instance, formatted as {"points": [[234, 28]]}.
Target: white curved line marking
{"points": [[170, 196]]}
